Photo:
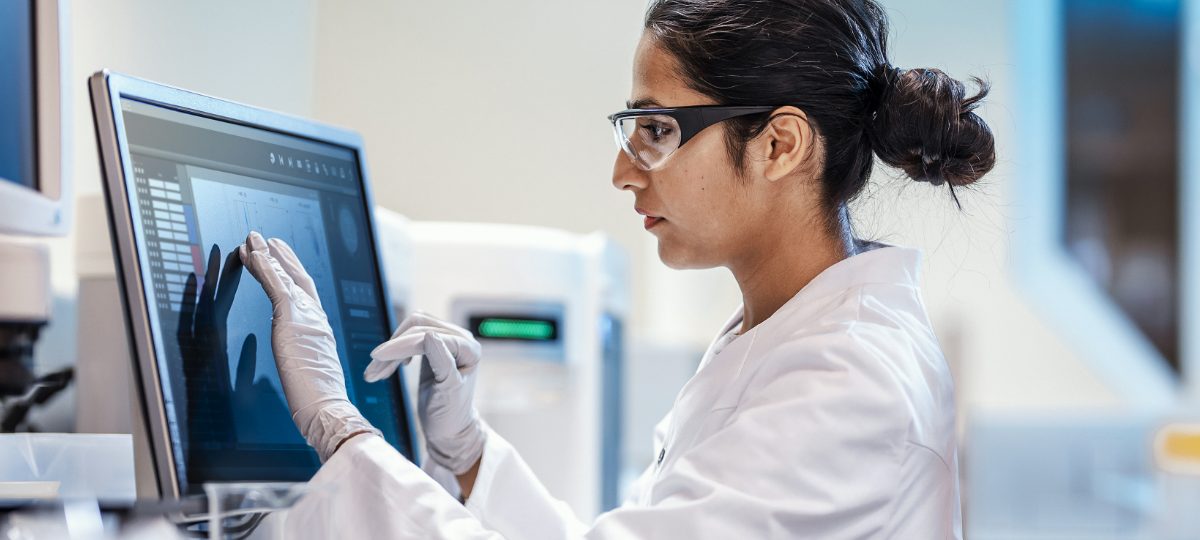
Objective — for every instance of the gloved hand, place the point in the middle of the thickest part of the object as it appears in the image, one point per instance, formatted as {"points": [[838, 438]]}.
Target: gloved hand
{"points": [[304, 347], [454, 433]]}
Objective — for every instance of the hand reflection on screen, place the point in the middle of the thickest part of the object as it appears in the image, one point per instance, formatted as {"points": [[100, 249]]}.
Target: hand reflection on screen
{"points": [[202, 343], [260, 407], [214, 402]]}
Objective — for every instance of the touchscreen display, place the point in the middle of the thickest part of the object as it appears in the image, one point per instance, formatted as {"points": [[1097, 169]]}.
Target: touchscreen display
{"points": [[199, 186]]}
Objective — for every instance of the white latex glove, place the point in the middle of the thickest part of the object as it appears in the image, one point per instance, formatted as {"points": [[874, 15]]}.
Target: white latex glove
{"points": [[454, 434], [304, 346]]}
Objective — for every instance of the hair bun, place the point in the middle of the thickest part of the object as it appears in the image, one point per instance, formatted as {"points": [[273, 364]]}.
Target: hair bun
{"points": [[925, 124]]}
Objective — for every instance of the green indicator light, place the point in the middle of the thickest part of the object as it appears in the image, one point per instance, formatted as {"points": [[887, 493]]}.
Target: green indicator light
{"points": [[516, 329]]}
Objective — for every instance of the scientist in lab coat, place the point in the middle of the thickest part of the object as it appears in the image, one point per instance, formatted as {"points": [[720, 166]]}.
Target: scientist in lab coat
{"points": [[824, 407]]}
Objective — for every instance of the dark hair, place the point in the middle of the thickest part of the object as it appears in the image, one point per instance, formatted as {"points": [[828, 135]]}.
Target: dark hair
{"points": [[829, 59]]}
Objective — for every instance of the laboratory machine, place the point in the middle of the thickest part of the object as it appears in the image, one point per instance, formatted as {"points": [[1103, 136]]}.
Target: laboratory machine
{"points": [[35, 188], [549, 309]]}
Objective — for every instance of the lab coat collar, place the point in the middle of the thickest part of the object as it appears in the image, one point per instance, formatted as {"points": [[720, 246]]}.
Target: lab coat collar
{"points": [[883, 264]]}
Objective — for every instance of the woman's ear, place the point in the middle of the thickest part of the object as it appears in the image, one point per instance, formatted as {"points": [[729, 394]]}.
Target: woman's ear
{"points": [[788, 142]]}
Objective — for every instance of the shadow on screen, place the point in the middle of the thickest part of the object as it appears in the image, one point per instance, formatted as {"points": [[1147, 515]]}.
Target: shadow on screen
{"points": [[215, 404]]}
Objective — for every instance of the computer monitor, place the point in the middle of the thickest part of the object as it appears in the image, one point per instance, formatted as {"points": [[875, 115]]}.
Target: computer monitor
{"points": [[35, 117], [187, 177]]}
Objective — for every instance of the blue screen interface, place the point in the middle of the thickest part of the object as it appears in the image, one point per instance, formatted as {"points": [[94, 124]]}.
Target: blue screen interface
{"points": [[199, 187]]}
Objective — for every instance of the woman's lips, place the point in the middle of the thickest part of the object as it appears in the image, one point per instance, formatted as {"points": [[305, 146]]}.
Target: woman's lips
{"points": [[651, 220]]}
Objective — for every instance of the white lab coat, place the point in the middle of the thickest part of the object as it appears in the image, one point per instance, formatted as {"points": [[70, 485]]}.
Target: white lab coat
{"points": [[832, 419]]}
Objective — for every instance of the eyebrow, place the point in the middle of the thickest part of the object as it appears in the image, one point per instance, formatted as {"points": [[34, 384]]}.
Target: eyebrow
{"points": [[643, 104]]}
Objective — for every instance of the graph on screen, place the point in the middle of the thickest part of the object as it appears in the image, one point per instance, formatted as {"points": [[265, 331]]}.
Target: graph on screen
{"points": [[228, 207]]}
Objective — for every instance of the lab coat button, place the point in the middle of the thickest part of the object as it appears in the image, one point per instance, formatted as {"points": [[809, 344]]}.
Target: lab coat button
{"points": [[662, 453]]}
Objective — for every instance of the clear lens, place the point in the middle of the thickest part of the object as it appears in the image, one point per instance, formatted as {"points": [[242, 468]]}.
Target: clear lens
{"points": [[648, 139]]}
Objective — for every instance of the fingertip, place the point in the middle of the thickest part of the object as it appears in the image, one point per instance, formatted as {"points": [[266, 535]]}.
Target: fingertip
{"points": [[276, 243], [256, 241], [378, 370], [382, 350]]}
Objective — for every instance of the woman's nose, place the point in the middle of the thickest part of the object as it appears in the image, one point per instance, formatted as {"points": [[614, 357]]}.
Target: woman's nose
{"points": [[626, 175]]}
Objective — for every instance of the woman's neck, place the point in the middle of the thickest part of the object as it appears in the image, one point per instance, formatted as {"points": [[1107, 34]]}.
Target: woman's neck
{"points": [[782, 265]]}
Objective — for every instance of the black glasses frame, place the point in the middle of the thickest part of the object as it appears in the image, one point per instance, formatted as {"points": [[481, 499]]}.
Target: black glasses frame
{"points": [[691, 120]]}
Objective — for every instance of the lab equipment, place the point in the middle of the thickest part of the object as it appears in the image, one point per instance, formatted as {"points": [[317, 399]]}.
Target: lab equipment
{"points": [[397, 252], [548, 308], [188, 177], [35, 172], [24, 310], [1177, 448], [1119, 475]]}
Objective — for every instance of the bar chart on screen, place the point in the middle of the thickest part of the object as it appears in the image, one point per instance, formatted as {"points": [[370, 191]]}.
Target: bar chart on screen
{"points": [[174, 247]]}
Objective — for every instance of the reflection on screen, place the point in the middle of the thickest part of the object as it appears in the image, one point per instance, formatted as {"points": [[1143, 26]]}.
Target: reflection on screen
{"points": [[202, 186], [231, 210]]}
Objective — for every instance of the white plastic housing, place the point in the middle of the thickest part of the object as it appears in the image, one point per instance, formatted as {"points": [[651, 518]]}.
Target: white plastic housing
{"points": [[549, 403], [24, 283]]}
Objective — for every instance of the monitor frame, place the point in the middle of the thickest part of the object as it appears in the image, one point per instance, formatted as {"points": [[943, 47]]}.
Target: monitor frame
{"points": [[107, 88], [46, 210]]}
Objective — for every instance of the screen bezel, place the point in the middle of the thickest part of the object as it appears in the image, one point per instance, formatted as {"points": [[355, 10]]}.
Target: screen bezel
{"points": [[107, 90]]}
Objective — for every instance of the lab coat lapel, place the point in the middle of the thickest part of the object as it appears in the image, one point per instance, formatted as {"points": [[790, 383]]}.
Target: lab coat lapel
{"points": [[715, 386], [699, 396]]}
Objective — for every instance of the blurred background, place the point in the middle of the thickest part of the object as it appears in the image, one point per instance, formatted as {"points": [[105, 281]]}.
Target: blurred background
{"points": [[1063, 292]]}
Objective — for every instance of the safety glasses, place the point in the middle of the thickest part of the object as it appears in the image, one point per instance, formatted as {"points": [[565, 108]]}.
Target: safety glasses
{"points": [[648, 136]]}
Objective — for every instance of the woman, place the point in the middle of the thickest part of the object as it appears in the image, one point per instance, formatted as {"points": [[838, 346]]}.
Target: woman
{"points": [[823, 409]]}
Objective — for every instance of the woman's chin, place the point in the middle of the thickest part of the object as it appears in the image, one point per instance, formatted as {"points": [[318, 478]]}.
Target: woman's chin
{"points": [[678, 257]]}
